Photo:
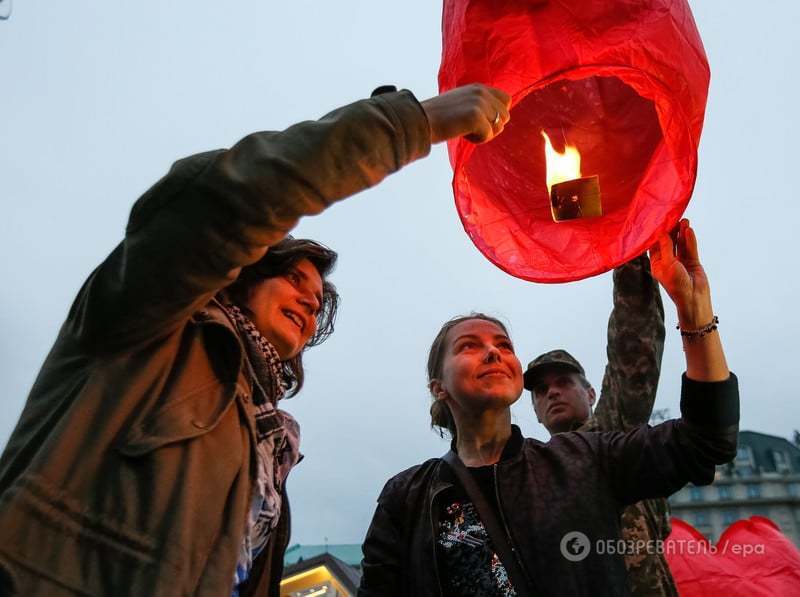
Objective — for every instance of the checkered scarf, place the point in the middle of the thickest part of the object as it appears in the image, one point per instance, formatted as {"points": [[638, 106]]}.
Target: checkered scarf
{"points": [[263, 357], [278, 440]]}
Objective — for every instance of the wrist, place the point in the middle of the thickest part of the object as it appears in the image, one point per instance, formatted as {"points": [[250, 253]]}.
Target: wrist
{"points": [[696, 314], [697, 334], [436, 120]]}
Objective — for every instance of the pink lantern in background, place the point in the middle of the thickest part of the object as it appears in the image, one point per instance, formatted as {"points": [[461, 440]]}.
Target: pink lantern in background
{"points": [[751, 559]]}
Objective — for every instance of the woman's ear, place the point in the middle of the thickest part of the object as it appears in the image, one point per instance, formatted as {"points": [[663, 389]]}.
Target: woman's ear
{"points": [[437, 390]]}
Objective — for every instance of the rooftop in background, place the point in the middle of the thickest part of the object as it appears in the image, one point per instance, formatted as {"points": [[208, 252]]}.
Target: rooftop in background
{"points": [[767, 453], [348, 553], [323, 574], [763, 480]]}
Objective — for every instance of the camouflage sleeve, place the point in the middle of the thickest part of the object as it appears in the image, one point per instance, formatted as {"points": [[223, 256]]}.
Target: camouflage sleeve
{"points": [[635, 347]]}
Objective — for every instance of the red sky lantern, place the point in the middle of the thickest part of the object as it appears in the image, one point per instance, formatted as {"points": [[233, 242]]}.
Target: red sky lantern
{"points": [[623, 83]]}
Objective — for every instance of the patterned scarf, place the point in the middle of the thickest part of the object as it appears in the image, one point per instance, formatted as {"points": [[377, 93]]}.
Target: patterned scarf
{"points": [[278, 441], [263, 357]]}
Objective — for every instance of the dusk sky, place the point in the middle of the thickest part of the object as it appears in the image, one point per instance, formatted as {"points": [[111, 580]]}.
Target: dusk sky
{"points": [[98, 99]]}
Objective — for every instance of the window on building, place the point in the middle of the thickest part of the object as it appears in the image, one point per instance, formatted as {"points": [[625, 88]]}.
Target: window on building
{"points": [[753, 490], [793, 489], [744, 456], [701, 518], [725, 492], [729, 516], [696, 494], [781, 460], [744, 462]]}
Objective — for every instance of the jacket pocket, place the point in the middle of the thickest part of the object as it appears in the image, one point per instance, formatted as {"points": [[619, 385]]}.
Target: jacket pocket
{"points": [[183, 418]]}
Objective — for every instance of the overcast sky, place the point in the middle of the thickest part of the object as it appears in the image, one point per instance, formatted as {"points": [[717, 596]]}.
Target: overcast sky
{"points": [[97, 99]]}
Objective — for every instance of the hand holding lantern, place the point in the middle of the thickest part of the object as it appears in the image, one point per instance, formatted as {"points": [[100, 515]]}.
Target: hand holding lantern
{"points": [[676, 265], [476, 112]]}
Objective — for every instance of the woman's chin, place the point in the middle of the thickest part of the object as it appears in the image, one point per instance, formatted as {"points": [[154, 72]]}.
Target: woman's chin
{"points": [[498, 400], [285, 347], [287, 351], [504, 395]]}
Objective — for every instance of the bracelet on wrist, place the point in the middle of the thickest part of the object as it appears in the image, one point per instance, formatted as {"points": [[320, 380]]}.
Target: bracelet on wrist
{"points": [[692, 335]]}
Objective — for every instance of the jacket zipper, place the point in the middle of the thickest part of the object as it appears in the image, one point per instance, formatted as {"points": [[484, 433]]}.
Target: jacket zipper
{"points": [[503, 520]]}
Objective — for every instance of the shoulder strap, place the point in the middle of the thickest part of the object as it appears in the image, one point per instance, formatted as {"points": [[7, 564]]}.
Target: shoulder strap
{"points": [[496, 533]]}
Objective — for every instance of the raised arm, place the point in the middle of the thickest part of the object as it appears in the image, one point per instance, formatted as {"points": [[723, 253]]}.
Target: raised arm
{"points": [[677, 266], [649, 462], [655, 462], [635, 347], [214, 213]]}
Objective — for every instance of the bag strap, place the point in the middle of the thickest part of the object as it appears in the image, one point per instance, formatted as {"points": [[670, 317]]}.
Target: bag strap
{"points": [[499, 537]]}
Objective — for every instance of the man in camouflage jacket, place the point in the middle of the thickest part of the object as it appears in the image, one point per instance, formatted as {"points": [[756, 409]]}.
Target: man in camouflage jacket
{"points": [[563, 400]]}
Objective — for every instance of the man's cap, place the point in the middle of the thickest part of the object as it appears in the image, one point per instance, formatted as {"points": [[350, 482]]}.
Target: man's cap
{"points": [[558, 358]]}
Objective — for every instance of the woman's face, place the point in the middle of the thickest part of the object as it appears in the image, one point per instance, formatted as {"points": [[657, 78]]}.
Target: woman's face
{"points": [[285, 308], [480, 370]]}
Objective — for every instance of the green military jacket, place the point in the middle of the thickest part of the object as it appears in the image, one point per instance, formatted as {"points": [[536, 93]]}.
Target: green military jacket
{"points": [[635, 347], [131, 469]]}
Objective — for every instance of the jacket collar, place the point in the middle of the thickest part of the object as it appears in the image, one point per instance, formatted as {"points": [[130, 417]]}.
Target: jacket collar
{"points": [[221, 330]]}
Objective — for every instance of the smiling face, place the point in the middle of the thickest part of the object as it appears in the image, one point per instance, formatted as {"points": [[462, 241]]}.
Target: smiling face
{"points": [[561, 400], [285, 307], [480, 370]]}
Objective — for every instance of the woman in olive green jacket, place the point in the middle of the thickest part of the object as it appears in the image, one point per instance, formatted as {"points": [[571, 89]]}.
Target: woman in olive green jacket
{"points": [[137, 466]]}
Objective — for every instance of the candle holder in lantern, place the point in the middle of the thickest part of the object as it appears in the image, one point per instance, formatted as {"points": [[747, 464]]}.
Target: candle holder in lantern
{"points": [[578, 198]]}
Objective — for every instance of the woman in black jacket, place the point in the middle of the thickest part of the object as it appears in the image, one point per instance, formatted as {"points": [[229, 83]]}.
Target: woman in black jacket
{"points": [[555, 506]]}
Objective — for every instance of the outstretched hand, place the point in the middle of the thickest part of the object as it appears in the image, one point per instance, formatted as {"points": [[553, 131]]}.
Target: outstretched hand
{"points": [[476, 112], [676, 265]]}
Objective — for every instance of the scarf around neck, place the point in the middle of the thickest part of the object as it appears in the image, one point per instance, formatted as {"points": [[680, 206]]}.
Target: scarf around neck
{"points": [[277, 440]]}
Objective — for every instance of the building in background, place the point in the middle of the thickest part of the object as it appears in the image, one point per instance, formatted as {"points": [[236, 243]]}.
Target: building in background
{"points": [[763, 480], [321, 570]]}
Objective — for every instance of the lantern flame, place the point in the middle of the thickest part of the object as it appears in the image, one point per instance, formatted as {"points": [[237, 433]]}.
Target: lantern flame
{"points": [[560, 166]]}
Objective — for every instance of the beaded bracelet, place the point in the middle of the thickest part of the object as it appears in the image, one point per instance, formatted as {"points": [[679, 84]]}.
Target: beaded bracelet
{"points": [[692, 335]]}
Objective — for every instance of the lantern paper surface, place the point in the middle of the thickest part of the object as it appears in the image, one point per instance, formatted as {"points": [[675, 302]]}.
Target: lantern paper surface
{"points": [[751, 559], [624, 81]]}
